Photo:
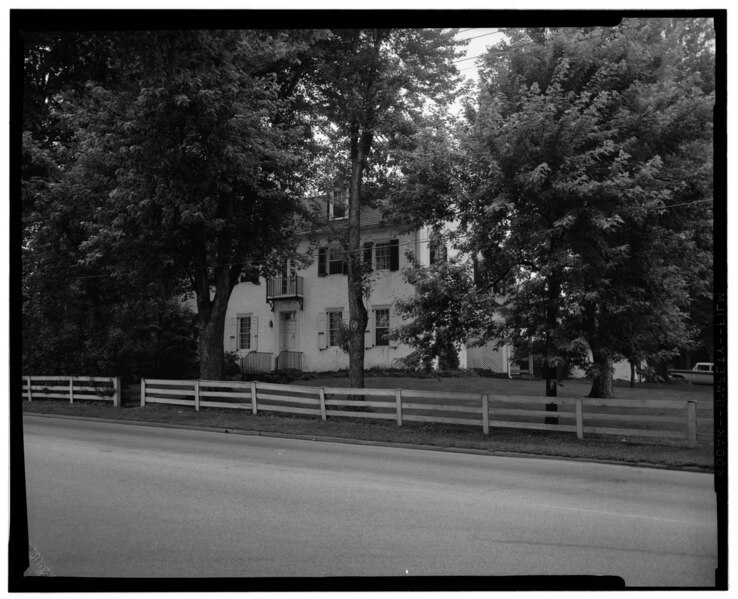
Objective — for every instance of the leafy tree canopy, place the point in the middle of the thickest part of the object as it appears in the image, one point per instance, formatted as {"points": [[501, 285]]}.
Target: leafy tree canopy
{"points": [[175, 163], [585, 173]]}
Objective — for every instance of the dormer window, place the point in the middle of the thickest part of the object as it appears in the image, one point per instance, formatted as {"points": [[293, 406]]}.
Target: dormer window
{"points": [[338, 204]]}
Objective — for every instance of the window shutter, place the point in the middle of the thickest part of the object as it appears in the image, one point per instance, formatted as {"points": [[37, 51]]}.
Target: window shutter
{"points": [[232, 340], [345, 265], [322, 260], [368, 247], [254, 333], [322, 341], [394, 254]]}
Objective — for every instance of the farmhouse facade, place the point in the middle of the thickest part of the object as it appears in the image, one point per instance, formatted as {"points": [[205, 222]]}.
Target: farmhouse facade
{"points": [[293, 321]]}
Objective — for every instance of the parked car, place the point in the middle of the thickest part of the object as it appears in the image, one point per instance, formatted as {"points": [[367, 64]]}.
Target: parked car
{"points": [[702, 373]]}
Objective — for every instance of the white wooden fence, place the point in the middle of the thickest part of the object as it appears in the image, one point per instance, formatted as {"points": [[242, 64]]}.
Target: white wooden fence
{"points": [[577, 415], [627, 417], [72, 388]]}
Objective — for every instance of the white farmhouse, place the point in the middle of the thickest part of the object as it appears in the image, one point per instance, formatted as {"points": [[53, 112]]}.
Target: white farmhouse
{"points": [[292, 321]]}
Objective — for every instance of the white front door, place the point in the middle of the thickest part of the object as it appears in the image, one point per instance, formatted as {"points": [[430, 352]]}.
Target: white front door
{"points": [[288, 331]]}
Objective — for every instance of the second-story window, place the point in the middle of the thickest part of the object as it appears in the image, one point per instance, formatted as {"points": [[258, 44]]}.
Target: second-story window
{"points": [[335, 262], [382, 256], [387, 255], [437, 249], [331, 261]]}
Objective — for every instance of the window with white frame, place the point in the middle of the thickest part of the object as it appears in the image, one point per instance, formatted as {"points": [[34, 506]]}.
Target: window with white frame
{"points": [[381, 326], [244, 332], [336, 259], [338, 205], [382, 253], [335, 319], [438, 252]]}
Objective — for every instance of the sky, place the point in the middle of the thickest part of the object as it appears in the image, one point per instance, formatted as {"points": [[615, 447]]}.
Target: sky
{"points": [[479, 40]]}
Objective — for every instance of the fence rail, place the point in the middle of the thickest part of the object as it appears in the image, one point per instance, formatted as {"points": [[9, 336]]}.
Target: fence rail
{"points": [[570, 415], [671, 419], [88, 388]]}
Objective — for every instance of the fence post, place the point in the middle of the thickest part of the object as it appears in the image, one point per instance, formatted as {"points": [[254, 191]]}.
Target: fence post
{"points": [[580, 417], [143, 393], [398, 401], [253, 397], [197, 396], [71, 389], [117, 399], [692, 422], [323, 415], [30, 393], [485, 413]]}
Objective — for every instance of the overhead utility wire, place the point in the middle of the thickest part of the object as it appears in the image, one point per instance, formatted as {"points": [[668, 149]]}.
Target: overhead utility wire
{"points": [[503, 50], [468, 39]]}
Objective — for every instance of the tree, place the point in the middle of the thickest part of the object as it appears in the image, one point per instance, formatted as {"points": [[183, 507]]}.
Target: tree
{"points": [[590, 176], [440, 313], [199, 148], [76, 318], [375, 86]]}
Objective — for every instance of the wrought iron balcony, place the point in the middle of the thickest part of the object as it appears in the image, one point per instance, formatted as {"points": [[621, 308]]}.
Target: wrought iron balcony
{"points": [[279, 288]]}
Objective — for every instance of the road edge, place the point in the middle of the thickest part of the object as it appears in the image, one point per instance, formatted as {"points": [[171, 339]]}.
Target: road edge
{"points": [[350, 441]]}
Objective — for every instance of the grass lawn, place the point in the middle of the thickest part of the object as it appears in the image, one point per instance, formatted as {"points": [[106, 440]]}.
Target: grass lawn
{"points": [[641, 451], [479, 384]]}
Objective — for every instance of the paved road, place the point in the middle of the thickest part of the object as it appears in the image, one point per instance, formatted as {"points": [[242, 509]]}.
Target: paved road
{"points": [[107, 499]]}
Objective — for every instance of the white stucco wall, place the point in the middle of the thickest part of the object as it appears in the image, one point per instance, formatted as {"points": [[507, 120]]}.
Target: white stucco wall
{"points": [[321, 294]]}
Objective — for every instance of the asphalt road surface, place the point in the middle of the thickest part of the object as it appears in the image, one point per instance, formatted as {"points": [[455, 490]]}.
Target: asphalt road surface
{"points": [[107, 499]]}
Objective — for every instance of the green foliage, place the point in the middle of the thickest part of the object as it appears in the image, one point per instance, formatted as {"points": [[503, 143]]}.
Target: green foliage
{"points": [[131, 338], [343, 336], [231, 365], [164, 160], [589, 179], [442, 313], [373, 89]]}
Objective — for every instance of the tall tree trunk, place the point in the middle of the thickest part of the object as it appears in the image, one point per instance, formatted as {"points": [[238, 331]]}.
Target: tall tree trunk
{"points": [[210, 342], [550, 373], [211, 311], [552, 309], [602, 382], [357, 310]]}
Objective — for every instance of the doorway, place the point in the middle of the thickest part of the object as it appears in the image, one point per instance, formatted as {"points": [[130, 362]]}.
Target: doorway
{"points": [[288, 331]]}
